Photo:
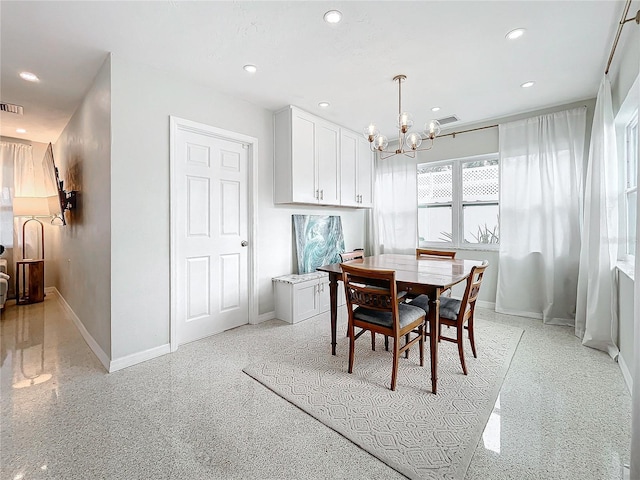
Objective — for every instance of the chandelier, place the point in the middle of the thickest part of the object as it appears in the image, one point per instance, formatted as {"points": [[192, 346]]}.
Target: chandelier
{"points": [[408, 143]]}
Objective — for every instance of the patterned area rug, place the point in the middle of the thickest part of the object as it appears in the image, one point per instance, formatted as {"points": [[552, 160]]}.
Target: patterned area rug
{"points": [[421, 435]]}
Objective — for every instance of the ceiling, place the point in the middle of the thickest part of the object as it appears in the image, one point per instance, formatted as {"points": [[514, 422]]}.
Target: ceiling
{"points": [[454, 53]]}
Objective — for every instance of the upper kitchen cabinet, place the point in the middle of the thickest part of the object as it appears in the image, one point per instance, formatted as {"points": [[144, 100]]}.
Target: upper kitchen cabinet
{"points": [[356, 170], [307, 158]]}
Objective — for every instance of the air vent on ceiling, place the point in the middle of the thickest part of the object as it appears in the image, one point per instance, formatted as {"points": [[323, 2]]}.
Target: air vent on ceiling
{"points": [[449, 119], [11, 108]]}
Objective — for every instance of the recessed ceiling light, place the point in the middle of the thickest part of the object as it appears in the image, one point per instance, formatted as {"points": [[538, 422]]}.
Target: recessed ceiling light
{"points": [[29, 77], [20, 130], [333, 16], [517, 33], [250, 68], [435, 109], [323, 104], [527, 84]]}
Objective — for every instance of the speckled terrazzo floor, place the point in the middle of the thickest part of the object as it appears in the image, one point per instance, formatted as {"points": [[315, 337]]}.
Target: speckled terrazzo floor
{"points": [[563, 411]]}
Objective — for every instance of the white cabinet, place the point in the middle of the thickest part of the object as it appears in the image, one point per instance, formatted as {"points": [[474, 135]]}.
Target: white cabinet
{"points": [[299, 297], [307, 163], [356, 170], [318, 162]]}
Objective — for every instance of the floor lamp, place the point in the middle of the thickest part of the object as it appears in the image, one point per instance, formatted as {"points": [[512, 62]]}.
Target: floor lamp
{"points": [[30, 270]]}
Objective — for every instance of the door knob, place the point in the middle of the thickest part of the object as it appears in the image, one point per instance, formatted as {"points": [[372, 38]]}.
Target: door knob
{"points": [[244, 243]]}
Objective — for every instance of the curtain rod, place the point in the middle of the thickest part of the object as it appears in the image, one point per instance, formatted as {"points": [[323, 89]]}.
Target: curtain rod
{"points": [[623, 20], [453, 134]]}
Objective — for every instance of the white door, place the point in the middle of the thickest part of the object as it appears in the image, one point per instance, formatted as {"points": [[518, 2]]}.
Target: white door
{"points": [[210, 235]]}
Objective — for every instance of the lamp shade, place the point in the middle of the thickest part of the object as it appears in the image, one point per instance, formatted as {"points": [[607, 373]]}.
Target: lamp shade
{"points": [[31, 207]]}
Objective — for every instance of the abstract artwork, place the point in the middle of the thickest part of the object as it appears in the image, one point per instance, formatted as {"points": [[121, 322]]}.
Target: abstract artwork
{"points": [[319, 241]]}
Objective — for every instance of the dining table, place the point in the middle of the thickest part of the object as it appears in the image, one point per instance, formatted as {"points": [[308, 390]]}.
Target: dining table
{"points": [[424, 275]]}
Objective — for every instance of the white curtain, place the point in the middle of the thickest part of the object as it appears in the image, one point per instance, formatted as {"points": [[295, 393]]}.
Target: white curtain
{"points": [[394, 219], [596, 311], [12, 157], [540, 190]]}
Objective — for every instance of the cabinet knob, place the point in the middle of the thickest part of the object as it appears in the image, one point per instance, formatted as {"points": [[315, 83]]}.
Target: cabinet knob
{"points": [[244, 243]]}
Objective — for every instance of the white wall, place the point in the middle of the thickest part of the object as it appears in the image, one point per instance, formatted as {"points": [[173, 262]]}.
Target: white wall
{"points": [[82, 253], [143, 99], [625, 68]]}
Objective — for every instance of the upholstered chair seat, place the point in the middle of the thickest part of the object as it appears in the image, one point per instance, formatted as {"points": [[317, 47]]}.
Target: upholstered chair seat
{"points": [[407, 313]]}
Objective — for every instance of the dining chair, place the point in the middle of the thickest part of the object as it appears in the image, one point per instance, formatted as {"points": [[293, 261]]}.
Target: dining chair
{"points": [[423, 252], [426, 253], [458, 313], [355, 255], [373, 304]]}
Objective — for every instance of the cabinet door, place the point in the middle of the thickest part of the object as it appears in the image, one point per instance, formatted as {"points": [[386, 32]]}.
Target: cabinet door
{"points": [[304, 158], [324, 300], [305, 301], [349, 168], [328, 162], [365, 174]]}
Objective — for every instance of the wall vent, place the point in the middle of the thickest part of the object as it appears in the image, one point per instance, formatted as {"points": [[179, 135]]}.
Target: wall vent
{"points": [[449, 119], [11, 108]]}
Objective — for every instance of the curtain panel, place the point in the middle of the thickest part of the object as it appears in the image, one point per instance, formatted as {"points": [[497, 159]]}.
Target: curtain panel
{"points": [[596, 313], [541, 162], [394, 219], [13, 158]]}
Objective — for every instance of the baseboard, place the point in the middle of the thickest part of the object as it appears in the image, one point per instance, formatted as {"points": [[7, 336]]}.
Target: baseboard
{"points": [[93, 345], [625, 373], [519, 313], [139, 357], [263, 317], [485, 304]]}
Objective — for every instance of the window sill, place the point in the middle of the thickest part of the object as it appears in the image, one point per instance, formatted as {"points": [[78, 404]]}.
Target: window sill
{"points": [[626, 267]]}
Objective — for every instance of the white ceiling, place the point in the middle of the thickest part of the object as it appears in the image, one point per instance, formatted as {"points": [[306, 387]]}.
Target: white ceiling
{"points": [[454, 54]]}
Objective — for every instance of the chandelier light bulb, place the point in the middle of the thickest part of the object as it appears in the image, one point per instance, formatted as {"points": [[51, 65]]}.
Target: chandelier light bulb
{"points": [[413, 140], [405, 122], [371, 133], [432, 129], [381, 143]]}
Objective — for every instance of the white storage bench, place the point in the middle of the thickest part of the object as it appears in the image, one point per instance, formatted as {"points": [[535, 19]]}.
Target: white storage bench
{"points": [[299, 297]]}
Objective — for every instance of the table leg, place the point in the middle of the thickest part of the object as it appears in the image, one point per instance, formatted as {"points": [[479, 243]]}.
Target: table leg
{"points": [[434, 331], [333, 298]]}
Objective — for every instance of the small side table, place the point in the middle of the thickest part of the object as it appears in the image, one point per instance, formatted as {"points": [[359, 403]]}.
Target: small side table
{"points": [[32, 273]]}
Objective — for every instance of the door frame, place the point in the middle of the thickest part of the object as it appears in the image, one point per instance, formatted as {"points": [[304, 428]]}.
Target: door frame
{"points": [[251, 143]]}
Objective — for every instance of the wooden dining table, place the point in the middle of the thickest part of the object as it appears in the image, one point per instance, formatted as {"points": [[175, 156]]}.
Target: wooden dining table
{"points": [[430, 276]]}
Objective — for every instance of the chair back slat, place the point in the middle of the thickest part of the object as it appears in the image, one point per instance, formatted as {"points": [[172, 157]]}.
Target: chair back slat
{"points": [[473, 288], [355, 255], [373, 289], [424, 252]]}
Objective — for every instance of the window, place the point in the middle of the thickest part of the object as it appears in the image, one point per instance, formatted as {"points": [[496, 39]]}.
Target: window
{"points": [[631, 183], [458, 203]]}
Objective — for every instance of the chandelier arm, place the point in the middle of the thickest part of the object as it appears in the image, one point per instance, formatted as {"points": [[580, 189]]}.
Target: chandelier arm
{"points": [[391, 154], [425, 148]]}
